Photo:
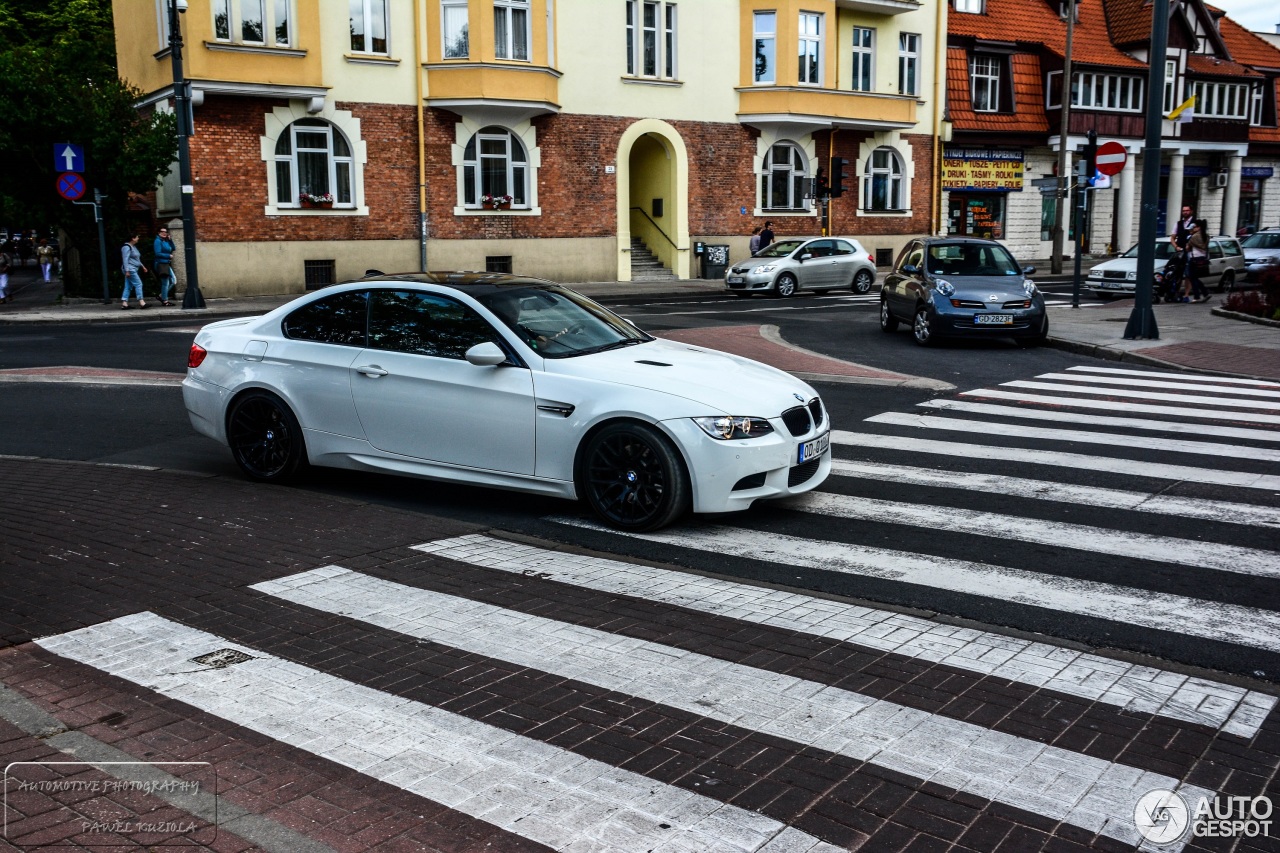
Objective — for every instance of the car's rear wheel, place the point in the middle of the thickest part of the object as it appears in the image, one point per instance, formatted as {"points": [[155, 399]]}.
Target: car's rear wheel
{"points": [[785, 286], [888, 322], [922, 328], [862, 282], [265, 438], [1227, 282], [632, 477]]}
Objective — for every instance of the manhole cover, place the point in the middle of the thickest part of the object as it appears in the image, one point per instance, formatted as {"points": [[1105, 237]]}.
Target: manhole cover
{"points": [[222, 658]]}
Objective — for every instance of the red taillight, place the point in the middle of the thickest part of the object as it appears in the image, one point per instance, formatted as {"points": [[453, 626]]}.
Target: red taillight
{"points": [[196, 357]]}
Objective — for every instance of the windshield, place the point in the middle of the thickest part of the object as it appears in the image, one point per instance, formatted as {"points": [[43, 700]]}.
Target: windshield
{"points": [[961, 259], [780, 249], [557, 323], [1164, 251], [1262, 240]]}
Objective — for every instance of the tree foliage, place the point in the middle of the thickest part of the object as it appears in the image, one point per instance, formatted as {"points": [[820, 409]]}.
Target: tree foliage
{"points": [[58, 83]]}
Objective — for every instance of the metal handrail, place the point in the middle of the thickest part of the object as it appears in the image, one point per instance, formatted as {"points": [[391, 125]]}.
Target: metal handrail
{"points": [[640, 210]]}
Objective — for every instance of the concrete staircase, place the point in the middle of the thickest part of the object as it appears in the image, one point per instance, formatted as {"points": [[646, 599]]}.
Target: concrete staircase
{"points": [[645, 265]]}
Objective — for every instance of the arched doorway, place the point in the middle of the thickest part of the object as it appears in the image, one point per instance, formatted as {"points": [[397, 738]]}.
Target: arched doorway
{"points": [[653, 196]]}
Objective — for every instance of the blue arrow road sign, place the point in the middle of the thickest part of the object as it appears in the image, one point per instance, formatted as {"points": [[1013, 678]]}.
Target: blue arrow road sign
{"points": [[68, 157]]}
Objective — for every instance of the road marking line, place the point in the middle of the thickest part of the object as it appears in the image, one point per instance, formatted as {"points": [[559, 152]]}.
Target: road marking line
{"points": [[1120, 406], [1137, 689], [1047, 490], [527, 787], [1010, 769], [1199, 448], [1142, 395], [1023, 413], [1109, 464], [1187, 377], [1229, 623], [1132, 382]]}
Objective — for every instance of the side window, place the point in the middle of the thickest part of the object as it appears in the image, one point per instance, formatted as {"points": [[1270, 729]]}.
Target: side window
{"points": [[313, 165], [337, 319], [912, 256], [1231, 248], [1215, 249], [842, 248], [495, 170], [821, 248], [424, 324]]}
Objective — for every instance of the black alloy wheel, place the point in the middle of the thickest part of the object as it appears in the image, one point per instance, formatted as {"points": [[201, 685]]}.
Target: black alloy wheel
{"points": [[785, 286], [888, 322], [265, 438], [633, 478], [862, 282]]}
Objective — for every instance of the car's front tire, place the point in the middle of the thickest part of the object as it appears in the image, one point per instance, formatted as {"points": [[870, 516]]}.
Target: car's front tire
{"points": [[888, 322], [632, 477], [265, 438], [922, 328], [785, 286], [862, 282]]}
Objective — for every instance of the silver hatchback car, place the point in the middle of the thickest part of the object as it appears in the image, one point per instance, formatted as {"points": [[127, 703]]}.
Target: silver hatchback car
{"points": [[804, 263]]}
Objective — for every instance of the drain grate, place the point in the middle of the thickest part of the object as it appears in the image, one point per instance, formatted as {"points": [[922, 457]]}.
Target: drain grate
{"points": [[222, 658]]}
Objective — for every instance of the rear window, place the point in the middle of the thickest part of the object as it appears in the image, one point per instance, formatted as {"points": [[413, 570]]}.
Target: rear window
{"points": [[336, 319]]}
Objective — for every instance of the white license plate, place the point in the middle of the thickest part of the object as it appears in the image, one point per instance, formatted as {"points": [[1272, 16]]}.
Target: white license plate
{"points": [[993, 319], [1112, 284], [813, 449], [736, 279]]}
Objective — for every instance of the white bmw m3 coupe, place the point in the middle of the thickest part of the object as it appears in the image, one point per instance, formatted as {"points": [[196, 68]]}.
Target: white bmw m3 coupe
{"points": [[509, 382]]}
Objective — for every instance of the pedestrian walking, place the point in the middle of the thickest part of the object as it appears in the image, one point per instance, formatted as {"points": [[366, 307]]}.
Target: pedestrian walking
{"points": [[755, 240], [131, 264], [1182, 230], [6, 264], [1193, 289], [163, 249], [45, 256], [766, 234]]}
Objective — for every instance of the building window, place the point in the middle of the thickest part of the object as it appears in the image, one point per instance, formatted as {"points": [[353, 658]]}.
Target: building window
{"points": [[368, 26], [969, 6], [495, 166], [977, 215], [1221, 100], [909, 63], [1107, 92], [651, 39], [511, 29], [1255, 108], [313, 161], [249, 21], [985, 72], [882, 187], [810, 48], [864, 59], [1170, 85], [782, 184], [766, 37], [455, 29]]}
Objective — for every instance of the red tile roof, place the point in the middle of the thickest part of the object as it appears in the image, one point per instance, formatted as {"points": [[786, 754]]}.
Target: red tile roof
{"points": [[1128, 20], [1035, 22], [1248, 47], [1028, 94], [1209, 66]]}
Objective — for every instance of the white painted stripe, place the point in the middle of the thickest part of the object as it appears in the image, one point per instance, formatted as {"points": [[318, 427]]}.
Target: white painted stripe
{"points": [[1120, 406], [1039, 433], [529, 788], [1225, 512], [1142, 395], [1184, 377], [1156, 383], [1024, 413], [1228, 623], [1096, 540], [1137, 689], [1158, 470], [959, 755]]}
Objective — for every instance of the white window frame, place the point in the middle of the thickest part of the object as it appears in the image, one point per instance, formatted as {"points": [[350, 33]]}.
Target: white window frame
{"points": [[985, 79], [1098, 92], [796, 168], [328, 129], [506, 49], [662, 32], [370, 11], [909, 63], [885, 163], [864, 60], [761, 36], [1171, 94], [974, 6], [1255, 104], [519, 171], [1222, 100], [462, 36], [810, 48], [271, 11]]}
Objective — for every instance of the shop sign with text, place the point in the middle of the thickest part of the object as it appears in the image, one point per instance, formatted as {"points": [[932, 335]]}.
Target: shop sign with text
{"points": [[985, 169]]}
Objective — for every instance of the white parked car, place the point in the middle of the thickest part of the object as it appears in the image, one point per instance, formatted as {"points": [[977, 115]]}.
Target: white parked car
{"points": [[1119, 276], [508, 382]]}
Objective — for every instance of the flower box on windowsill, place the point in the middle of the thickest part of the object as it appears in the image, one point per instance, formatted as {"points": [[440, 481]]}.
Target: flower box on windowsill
{"points": [[318, 205]]}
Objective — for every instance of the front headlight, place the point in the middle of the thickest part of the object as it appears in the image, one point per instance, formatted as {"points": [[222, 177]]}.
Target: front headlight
{"points": [[767, 268], [1029, 287], [1131, 275], [726, 427], [943, 286]]}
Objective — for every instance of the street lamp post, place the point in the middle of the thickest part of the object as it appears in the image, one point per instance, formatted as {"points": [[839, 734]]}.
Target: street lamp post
{"points": [[192, 298]]}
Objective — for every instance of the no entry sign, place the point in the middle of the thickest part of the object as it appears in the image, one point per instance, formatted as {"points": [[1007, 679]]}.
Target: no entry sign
{"points": [[1111, 158]]}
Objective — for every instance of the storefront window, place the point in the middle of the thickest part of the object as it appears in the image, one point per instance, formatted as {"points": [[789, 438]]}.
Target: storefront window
{"points": [[978, 215]]}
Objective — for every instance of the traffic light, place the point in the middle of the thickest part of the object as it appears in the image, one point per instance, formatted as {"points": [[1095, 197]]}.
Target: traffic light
{"points": [[821, 188], [838, 176]]}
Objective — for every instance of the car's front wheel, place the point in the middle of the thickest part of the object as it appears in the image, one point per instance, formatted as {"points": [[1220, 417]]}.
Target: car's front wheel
{"points": [[265, 438], [862, 282], [888, 322], [785, 285], [922, 328], [632, 477]]}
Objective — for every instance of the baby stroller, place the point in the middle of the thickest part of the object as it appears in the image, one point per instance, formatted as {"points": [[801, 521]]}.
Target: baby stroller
{"points": [[1168, 280]]}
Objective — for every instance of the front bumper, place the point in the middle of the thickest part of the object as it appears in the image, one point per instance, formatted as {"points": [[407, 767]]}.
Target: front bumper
{"points": [[739, 282], [963, 322], [1120, 287]]}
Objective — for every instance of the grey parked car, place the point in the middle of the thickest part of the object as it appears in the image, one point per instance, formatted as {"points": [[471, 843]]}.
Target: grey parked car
{"points": [[962, 287], [1261, 253], [819, 264]]}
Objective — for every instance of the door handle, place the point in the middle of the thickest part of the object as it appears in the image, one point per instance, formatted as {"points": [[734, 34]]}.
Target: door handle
{"points": [[372, 371]]}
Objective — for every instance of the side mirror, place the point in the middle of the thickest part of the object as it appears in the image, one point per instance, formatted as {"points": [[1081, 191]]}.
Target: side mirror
{"points": [[486, 354], [806, 256], [910, 269], [1028, 270]]}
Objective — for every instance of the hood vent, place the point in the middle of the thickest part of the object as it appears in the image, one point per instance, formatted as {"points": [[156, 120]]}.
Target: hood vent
{"points": [[654, 363]]}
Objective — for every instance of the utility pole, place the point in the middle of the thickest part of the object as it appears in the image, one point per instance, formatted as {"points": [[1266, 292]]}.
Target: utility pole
{"points": [[191, 297], [1064, 131]]}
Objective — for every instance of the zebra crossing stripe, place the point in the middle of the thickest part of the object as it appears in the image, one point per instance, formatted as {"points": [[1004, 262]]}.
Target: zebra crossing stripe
{"points": [[1225, 512], [1120, 406], [1200, 448], [1022, 413], [1160, 470], [1134, 382], [1189, 377], [1055, 782], [1136, 689], [1143, 395], [527, 787], [1212, 620]]}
